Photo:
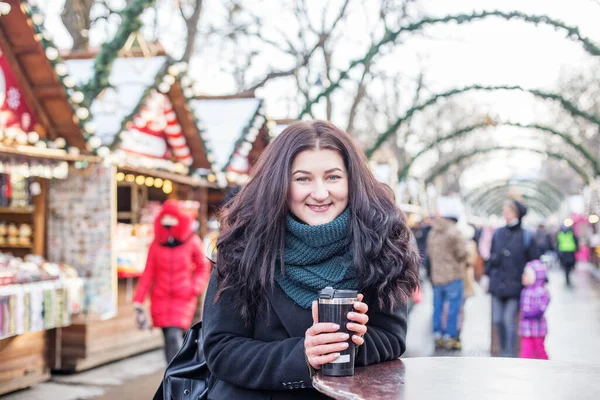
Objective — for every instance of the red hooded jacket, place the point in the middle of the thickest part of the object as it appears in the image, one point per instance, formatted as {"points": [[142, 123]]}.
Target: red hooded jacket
{"points": [[176, 271]]}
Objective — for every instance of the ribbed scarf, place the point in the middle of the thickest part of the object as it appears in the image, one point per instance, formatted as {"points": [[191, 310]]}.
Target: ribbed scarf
{"points": [[316, 257]]}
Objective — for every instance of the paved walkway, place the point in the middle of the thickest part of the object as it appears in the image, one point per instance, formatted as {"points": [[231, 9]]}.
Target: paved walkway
{"points": [[573, 321], [574, 335]]}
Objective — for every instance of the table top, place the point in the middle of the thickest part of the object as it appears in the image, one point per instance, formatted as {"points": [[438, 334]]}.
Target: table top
{"points": [[465, 378]]}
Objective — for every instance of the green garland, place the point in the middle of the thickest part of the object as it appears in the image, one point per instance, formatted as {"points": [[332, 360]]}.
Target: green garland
{"points": [[391, 36], [495, 204], [130, 23], [483, 197], [567, 105], [461, 157], [469, 129], [474, 194]]}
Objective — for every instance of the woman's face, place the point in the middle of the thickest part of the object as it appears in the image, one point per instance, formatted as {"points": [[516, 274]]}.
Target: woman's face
{"points": [[509, 213], [319, 186]]}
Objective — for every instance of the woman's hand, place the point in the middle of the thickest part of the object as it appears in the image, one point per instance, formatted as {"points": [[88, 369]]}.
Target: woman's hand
{"points": [[359, 321], [323, 343]]}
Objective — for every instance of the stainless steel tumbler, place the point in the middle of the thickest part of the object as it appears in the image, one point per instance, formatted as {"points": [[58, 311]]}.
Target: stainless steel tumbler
{"points": [[334, 306]]}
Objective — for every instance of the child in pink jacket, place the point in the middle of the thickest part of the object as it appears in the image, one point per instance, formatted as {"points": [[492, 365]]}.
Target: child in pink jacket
{"points": [[534, 302]]}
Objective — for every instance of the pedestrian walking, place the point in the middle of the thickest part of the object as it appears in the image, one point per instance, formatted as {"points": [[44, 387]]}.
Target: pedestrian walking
{"points": [[534, 302], [567, 246], [448, 256], [313, 215], [512, 248], [176, 274]]}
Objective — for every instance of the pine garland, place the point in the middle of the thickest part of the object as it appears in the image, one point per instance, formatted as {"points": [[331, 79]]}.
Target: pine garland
{"points": [[474, 152], [391, 36], [492, 192], [566, 104], [569, 139], [130, 23], [535, 202], [475, 194]]}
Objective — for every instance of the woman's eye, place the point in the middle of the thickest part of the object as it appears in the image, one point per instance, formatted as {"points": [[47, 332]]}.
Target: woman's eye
{"points": [[302, 179], [334, 177]]}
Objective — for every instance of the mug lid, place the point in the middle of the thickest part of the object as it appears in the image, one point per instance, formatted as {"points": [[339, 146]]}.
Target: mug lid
{"points": [[331, 293]]}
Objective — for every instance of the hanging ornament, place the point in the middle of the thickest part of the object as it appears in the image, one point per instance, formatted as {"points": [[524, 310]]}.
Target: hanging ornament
{"points": [[61, 69], [60, 143], [77, 97], [82, 113], [103, 151], [95, 142], [52, 53], [33, 137]]}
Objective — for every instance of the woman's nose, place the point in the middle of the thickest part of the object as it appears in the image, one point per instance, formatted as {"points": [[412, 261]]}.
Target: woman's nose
{"points": [[320, 192]]}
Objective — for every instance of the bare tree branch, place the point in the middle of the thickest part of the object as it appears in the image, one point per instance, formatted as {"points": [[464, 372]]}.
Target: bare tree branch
{"points": [[191, 24], [360, 95]]}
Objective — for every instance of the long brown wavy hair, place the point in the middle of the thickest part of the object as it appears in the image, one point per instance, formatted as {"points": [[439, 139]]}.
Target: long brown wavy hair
{"points": [[253, 224]]}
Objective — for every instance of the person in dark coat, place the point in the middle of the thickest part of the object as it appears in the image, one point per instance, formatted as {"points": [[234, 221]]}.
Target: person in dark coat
{"points": [[312, 216], [512, 248]]}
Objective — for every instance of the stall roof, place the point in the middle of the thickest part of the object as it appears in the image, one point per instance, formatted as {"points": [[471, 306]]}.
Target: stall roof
{"points": [[131, 82], [34, 60], [223, 123], [129, 79]]}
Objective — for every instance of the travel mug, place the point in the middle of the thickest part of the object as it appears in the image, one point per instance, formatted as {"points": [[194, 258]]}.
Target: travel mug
{"points": [[334, 306]]}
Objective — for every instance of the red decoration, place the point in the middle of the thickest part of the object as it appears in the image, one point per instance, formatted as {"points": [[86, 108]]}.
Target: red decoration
{"points": [[15, 113], [155, 132]]}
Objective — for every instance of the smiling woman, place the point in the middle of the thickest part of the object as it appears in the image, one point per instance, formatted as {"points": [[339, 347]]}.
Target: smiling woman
{"points": [[313, 215], [319, 188]]}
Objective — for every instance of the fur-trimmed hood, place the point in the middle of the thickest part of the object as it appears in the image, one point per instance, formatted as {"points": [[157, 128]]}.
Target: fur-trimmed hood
{"points": [[180, 232]]}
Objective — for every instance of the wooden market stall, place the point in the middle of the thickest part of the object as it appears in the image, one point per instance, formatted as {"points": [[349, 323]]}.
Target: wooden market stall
{"points": [[41, 140], [143, 120], [237, 130]]}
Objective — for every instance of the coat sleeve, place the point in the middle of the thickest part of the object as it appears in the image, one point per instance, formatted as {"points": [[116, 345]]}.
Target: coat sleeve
{"points": [[147, 278], [202, 267], [235, 357], [386, 334]]}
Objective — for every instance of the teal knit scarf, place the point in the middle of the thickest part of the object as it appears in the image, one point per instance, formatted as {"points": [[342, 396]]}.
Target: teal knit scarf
{"points": [[316, 257]]}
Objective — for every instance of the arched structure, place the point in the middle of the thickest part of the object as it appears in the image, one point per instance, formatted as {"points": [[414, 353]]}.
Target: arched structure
{"points": [[476, 197], [391, 36], [459, 133], [461, 157], [504, 193], [565, 103], [495, 206]]}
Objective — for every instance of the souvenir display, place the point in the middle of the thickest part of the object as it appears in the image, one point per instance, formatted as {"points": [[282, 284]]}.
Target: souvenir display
{"points": [[36, 295], [80, 215]]}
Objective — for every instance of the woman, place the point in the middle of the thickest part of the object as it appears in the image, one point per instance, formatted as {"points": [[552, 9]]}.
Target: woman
{"points": [[312, 216], [176, 273]]}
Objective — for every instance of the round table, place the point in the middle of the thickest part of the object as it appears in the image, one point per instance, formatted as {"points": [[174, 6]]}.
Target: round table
{"points": [[465, 378]]}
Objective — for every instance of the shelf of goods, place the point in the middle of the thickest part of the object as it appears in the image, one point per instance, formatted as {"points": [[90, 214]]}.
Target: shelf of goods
{"points": [[34, 298]]}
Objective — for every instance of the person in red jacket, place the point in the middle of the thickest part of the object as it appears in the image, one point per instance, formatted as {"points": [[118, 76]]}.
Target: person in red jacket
{"points": [[176, 274]]}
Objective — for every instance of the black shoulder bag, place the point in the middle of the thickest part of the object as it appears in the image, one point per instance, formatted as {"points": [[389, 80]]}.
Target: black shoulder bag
{"points": [[186, 377]]}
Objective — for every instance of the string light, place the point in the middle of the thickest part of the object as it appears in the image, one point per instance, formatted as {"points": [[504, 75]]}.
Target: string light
{"points": [[130, 178], [158, 182], [149, 181], [140, 179], [593, 219], [120, 176], [167, 187]]}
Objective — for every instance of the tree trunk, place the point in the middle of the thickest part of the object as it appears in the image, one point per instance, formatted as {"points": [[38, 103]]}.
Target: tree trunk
{"points": [[191, 24], [76, 18]]}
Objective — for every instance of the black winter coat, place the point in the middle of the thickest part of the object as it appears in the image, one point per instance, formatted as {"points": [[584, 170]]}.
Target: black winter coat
{"points": [[508, 258], [266, 360]]}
